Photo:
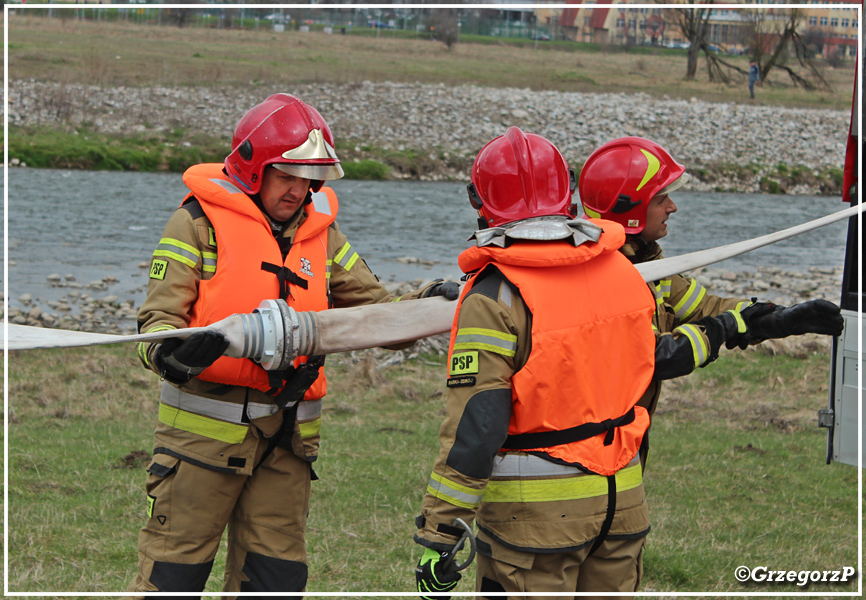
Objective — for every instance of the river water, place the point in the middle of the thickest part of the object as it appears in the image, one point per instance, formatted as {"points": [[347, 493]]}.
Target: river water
{"points": [[91, 225]]}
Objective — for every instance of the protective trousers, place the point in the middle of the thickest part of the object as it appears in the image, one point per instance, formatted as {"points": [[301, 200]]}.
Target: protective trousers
{"points": [[616, 566], [189, 507]]}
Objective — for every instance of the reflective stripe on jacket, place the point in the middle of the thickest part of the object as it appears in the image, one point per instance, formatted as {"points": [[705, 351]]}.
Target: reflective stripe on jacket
{"points": [[591, 318], [248, 263]]}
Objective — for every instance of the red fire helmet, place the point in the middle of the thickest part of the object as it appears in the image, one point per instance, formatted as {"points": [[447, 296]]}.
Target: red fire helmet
{"points": [[519, 176], [287, 133], [620, 178]]}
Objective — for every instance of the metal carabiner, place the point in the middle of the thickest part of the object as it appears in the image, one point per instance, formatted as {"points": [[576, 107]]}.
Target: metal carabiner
{"points": [[448, 560]]}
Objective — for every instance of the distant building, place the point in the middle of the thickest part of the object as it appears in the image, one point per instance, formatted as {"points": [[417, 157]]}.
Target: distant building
{"points": [[829, 29]]}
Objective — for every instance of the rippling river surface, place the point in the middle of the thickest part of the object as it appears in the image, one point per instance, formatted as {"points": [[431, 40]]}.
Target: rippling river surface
{"points": [[91, 225]]}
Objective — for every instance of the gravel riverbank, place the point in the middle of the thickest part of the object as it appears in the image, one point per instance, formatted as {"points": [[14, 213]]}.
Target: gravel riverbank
{"points": [[727, 146]]}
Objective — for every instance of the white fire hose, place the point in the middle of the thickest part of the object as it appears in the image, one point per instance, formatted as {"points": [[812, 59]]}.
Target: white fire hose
{"points": [[275, 334]]}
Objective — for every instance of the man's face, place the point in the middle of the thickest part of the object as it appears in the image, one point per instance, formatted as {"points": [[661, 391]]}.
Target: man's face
{"points": [[657, 213], [282, 194]]}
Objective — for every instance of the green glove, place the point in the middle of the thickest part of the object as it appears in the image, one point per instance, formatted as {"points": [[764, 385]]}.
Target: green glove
{"points": [[432, 578]]}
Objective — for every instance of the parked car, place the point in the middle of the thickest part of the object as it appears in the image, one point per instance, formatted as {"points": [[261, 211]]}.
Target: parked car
{"points": [[278, 18], [541, 37]]}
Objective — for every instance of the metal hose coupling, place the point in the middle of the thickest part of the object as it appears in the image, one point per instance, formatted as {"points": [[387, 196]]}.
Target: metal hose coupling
{"points": [[275, 334]]}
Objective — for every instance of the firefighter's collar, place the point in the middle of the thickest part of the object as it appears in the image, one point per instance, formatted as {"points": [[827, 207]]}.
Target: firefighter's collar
{"points": [[542, 229]]}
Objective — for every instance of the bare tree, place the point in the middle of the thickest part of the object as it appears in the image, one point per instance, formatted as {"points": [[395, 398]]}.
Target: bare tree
{"points": [[694, 25], [774, 36], [180, 16], [443, 25], [771, 36]]}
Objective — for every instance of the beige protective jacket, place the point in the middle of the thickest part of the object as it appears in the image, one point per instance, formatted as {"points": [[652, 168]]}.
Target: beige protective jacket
{"points": [[168, 305]]}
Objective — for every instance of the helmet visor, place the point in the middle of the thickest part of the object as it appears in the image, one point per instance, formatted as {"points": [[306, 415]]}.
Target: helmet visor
{"points": [[675, 184], [311, 172]]}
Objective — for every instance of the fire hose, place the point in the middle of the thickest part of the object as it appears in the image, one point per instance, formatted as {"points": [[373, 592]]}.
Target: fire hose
{"points": [[274, 334]]}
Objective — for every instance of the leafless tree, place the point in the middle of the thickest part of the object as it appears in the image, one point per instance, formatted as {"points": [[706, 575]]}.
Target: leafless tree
{"points": [[442, 23], [774, 36], [694, 25], [771, 36]]}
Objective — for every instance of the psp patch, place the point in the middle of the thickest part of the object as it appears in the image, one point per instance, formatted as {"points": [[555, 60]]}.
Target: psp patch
{"points": [[158, 269], [462, 381], [465, 363]]}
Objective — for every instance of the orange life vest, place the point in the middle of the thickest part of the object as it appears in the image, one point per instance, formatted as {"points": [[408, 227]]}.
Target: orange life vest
{"points": [[248, 263], [593, 348]]}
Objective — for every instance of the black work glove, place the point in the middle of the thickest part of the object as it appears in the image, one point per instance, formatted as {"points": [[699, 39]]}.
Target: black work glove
{"points": [[180, 360], [815, 316], [725, 328], [432, 578], [447, 289]]}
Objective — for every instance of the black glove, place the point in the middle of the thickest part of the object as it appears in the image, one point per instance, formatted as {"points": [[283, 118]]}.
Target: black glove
{"points": [[719, 330], [815, 316], [449, 290], [432, 578], [180, 360]]}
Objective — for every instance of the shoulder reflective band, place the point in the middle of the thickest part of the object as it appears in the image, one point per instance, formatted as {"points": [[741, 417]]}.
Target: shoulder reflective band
{"points": [[345, 257], [477, 338], [690, 301], [453, 493], [556, 490], [700, 350], [177, 250]]}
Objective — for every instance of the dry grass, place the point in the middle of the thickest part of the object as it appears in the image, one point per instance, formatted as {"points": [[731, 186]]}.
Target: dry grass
{"points": [[735, 476], [109, 54]]}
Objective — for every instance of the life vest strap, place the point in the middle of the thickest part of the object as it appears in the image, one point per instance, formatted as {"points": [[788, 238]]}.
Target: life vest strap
{"points": [[609, 515], [546, 439], [285, 276], [290, 385]]}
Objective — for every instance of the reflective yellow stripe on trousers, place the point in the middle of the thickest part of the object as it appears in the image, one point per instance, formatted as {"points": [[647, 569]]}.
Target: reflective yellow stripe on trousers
{"points": [[225, 421]]}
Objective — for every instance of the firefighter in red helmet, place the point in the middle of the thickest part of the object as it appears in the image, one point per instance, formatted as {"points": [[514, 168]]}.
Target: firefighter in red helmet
{"points": [[539, 446], [629, 181], [235, 444]]}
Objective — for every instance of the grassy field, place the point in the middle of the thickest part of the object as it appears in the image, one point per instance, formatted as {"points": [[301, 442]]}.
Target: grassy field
{"points": [[736, 474], [111, 54]]}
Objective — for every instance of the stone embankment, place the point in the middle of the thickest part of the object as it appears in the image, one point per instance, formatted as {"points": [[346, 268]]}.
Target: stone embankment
{"points": [[727, 146], [94, 308]]}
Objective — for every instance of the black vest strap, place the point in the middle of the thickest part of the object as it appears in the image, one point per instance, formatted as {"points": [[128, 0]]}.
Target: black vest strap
{"points": [[608, 517], [546, 439], [285, 276]]}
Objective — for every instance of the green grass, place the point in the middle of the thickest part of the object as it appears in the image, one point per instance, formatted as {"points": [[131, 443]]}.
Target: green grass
{"points": [[736, 473], [82, 148]]}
